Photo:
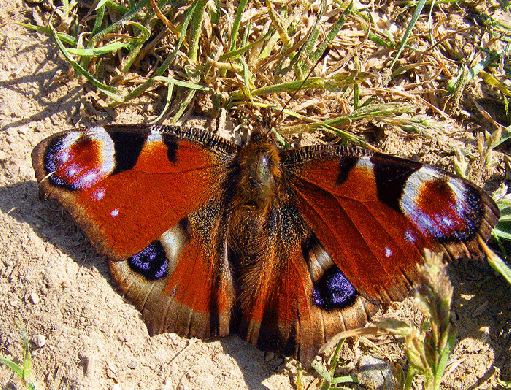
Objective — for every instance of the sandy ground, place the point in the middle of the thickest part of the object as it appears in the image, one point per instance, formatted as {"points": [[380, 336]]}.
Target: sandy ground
{"points": [[85, 334]]}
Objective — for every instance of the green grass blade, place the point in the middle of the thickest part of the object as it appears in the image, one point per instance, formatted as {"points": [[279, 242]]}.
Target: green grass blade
{"points": [[491, 80], [108, 90], [242, 50], [335, 84], [118, 24], [331, 34], [100, 14], [119, 8], [499, 265], [13, 367], [343, 135], [306, 49], [196, 30], [356, 87], [404, 40], [185, 84], [135, 46], [314, 32], [215, 16], [504, 234], [25, 372], [270, 44], [444, 356], [183, 105], [246, 34], [170, 58], [505, 218], [236, 25], [246, 80], [168, 101], [364, 22], [27, 357], [99, 51], [277, 24]]}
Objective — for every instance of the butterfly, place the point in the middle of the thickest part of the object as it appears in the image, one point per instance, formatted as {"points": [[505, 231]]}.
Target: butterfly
{"points": [[285, 248]]}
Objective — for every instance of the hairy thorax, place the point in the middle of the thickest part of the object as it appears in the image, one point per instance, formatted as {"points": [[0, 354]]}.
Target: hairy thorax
{"points": [[258, 188]]}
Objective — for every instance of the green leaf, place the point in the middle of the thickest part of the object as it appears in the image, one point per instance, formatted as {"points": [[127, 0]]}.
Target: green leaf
{"points": [[497, 263], [185, 84], [99, 51], [108, 90], [13, 366]]}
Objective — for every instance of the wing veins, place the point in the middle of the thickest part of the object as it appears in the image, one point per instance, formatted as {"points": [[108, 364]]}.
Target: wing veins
{"points": [[353, 225]]}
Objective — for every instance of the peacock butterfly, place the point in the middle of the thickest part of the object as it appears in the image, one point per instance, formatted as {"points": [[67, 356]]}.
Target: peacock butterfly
{"points": [[284, 248]]}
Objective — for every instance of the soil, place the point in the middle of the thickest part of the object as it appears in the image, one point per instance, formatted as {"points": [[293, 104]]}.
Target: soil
{"points": [[85, 335]]}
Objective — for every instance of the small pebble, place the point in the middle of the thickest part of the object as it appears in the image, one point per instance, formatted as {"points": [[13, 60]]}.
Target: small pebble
{"points": [[132, 364], [375, 373], [38, 340], [33, 298]]}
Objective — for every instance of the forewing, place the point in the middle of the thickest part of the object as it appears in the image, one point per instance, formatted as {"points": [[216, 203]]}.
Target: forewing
{"points": [[375, 214], [126, 185]]}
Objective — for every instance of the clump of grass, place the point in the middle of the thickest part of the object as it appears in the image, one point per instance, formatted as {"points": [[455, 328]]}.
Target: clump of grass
{"points": [[212, 55], [24, 369], [329, 379], [196, 46], [428, 348], [502, 234]]}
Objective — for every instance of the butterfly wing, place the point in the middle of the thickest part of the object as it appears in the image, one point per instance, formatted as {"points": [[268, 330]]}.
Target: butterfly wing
{"points": [[293, 298], [375, 214], [347, 231], [141, 195], [182, 282]]}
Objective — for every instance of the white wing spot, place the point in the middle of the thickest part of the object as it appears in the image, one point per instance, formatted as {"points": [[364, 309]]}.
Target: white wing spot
{"points": [[64, 156], [99, 194], [114, 212]]}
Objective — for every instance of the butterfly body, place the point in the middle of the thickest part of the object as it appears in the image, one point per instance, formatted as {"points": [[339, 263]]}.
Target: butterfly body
{"points": [[284, 248]]}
